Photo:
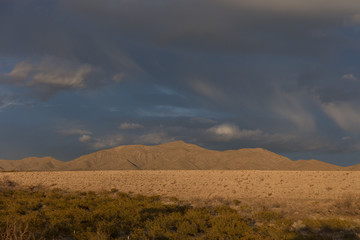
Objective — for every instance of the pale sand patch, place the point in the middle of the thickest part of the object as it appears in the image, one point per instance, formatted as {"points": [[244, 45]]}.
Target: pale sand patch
{"points": [[203, 184]]}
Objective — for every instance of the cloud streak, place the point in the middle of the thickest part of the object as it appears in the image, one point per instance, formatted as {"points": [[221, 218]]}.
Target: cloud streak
{"points": [[346, 115]]}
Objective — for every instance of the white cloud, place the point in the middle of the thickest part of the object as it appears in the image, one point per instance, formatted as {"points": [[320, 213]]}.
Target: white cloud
{"points": [[74, 131], [50, 75], [349, 77], [21, 72], [84, 138], [109, 141], [61, 76], [51, 71], [130, 126], [228, 132], [154, 138], [120, 139]]}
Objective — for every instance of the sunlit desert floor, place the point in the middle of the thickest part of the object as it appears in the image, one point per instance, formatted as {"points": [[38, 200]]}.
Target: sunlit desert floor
{"points": [[295, 193], [193, 184]]}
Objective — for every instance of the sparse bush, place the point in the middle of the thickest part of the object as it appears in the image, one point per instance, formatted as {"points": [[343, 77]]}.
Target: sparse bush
{"points": [[6, 183], [15, 230], [56, 214], [348, 204], [334, 227], [268, 216], [174, 199]]}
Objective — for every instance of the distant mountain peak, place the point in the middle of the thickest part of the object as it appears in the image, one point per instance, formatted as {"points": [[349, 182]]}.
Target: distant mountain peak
{"points": [[176, 155]]}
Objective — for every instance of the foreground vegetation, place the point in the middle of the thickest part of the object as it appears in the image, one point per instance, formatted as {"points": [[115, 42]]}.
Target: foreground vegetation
{"points": [[56, 214]]}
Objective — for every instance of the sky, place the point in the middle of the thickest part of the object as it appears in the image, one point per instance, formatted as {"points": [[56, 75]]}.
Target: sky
{"points": [[78, 76]]}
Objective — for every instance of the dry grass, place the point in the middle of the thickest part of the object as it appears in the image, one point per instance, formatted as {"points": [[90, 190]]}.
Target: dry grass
{"points": [[348, 204], [297, 194], [16, 230]]}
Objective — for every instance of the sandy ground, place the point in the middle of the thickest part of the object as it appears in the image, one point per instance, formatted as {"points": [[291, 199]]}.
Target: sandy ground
{"points": [[188, 185]]}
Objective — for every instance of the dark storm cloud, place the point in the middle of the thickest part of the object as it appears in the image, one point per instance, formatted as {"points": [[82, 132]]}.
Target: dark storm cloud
{"points": [[278, 74], [108, 33], [48, 41], [331, 86], [262, 27], [125, 39]]}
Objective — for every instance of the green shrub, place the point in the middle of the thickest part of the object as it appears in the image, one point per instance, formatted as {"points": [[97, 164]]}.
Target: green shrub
{"points": [[56, 214]]}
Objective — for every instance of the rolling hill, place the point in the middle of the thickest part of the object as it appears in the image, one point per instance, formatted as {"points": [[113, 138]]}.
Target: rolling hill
{"points": [[171, 156], [31, 164], [354, 168]]}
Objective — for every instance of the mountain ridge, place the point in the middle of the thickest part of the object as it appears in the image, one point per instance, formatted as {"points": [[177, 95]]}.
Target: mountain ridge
{"points": [[176, 155]]}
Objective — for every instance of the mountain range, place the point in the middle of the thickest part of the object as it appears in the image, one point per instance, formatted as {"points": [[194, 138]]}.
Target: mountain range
{"points": [[176, 155]]}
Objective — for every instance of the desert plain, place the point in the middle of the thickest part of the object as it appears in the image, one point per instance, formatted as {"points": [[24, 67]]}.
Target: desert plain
{"points": [[199, 186], [198, 176]]}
